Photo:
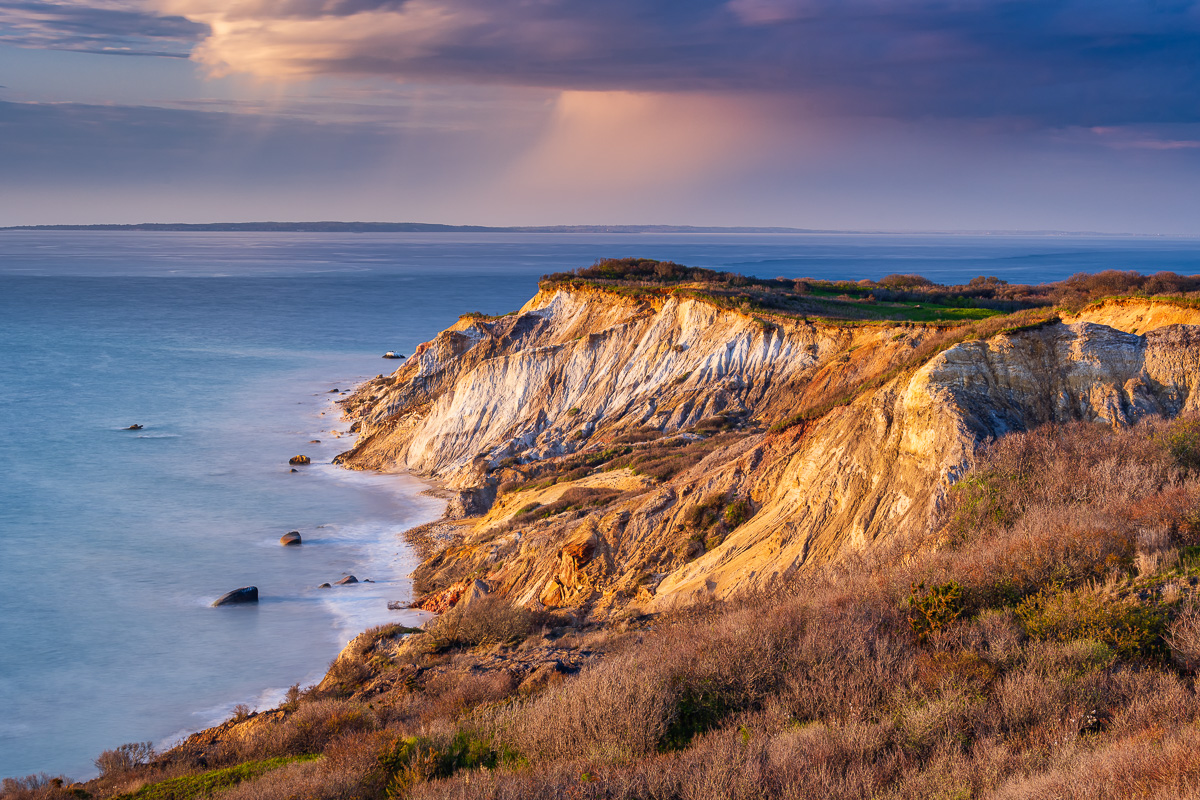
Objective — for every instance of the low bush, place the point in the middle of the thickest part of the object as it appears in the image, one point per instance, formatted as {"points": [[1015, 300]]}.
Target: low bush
{"points": [[705, 513], [1183, 637], [125, 758], [489, 620], [1129, 627], [1182, 439], [930, 612], [413, 759], [207, 783]]}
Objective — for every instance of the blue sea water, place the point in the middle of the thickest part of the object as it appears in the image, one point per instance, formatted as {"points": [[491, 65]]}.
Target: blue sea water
{"points": [[225, 348]]}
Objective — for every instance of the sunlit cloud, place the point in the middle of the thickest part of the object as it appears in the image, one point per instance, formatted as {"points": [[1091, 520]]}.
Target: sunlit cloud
{"points": [[296, 46]]}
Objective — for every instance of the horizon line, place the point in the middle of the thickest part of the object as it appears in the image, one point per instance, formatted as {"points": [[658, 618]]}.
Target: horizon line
{"points": [[332, 226]]}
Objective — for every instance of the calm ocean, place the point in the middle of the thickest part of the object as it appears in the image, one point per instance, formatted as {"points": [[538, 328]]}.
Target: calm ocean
{"points": [[225, 348]]}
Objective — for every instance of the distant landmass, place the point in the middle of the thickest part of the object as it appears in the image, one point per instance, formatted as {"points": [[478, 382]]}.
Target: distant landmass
{"points": [[433, 227], [401, 227]]}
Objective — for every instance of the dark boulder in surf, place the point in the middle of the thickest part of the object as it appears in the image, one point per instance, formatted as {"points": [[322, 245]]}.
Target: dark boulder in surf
{"points": [[299, 460], [246, 594], [346, 580], [290, 538], [134, 427]]}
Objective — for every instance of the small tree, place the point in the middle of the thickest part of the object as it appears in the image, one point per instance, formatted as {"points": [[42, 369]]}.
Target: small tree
{"points": [[125, 758]]}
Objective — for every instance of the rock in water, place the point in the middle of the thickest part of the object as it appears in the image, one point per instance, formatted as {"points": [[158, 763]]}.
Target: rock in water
{"points": [[289, 538], [346, 580], [324, 586], [299, 460], [246, 594], [134, 427]]}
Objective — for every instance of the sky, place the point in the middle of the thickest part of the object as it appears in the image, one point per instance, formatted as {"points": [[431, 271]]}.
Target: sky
{"points": [[1079, 115]]}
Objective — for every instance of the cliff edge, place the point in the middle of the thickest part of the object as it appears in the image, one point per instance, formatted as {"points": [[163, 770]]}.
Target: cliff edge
{"points": [[616, 447]]}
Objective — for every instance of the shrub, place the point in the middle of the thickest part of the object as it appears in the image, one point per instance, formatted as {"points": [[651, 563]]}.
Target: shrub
{"points": [[705, 513], [309, 729], [124, 759], [930, 612], [737, 512], [310, 779], [489, 620], [413, 759], [205, 784], [1183, 637], [1182, 439], [1127, 626]]}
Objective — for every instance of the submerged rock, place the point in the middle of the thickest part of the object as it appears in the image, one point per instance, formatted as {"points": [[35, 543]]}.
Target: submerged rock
{"points": [[290, 538], [246, 594], [392, 354], [134, 427], [346, 580], [325, 586], [299, 460]]}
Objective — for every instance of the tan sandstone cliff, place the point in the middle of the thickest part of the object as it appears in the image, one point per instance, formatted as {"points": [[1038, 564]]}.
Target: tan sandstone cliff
{"points": [[492, 401]]}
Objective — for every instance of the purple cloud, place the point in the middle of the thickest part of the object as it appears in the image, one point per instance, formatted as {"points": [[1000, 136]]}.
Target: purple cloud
{"points": [[1059, 62]]}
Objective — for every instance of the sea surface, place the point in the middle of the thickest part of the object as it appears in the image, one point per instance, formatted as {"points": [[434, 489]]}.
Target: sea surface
{"points": [[227, 349]]}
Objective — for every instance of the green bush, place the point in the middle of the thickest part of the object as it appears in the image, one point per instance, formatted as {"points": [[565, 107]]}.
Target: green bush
{"points": [[930, 612], [1129, 627], [1183, 442], [705, 514], [207, 783], [737, 512], [419, 758]]}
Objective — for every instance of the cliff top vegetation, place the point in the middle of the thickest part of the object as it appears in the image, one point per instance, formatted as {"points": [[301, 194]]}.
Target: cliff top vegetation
{"points": [[899, 298]]}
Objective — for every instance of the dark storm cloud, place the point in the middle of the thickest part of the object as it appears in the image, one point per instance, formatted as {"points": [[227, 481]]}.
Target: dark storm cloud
{"points": [[114, 30], [1053, 61]]}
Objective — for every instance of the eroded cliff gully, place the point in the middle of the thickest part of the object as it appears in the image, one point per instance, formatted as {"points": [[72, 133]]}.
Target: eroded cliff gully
{"points": [[535, 420]]}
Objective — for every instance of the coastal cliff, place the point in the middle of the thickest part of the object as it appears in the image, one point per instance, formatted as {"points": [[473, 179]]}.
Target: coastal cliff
{"points": [[945, 543], [797, 439]]}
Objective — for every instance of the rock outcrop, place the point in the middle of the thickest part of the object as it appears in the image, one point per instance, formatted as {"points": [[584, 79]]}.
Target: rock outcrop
{"points": [[246, 594], [891, 414]]}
